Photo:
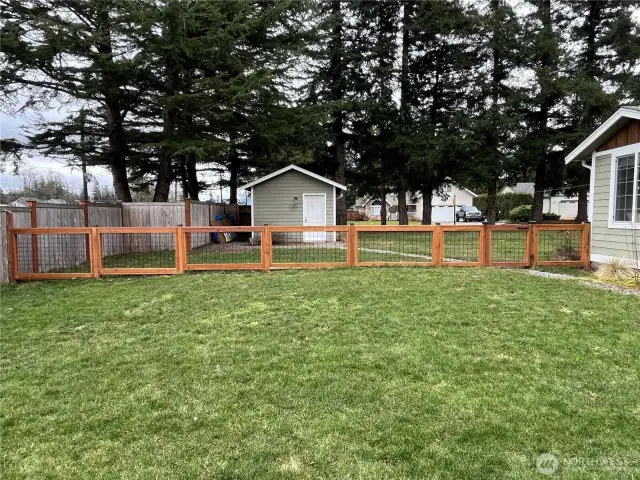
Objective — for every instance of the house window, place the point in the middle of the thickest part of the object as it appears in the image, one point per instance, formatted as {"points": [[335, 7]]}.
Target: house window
{"points": [[448, 189], [375, 207], [626, 189]]}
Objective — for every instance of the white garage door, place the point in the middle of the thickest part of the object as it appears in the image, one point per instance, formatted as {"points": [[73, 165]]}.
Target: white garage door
{"points": [[442, 213]]}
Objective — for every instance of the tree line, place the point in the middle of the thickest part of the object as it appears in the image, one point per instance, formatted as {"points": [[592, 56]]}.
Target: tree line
{"points": [[386, 96]]}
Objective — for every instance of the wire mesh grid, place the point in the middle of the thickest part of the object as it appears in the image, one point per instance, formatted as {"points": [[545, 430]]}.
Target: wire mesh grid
{"points": [[138, 250], [508, 246], [559, 245], [224, 248], [461, 246], [395, 246], [56, 253], [308, 247]]}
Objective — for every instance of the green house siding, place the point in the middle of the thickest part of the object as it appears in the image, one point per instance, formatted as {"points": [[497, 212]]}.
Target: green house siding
{"points": [[274, 204], [613, 242]]}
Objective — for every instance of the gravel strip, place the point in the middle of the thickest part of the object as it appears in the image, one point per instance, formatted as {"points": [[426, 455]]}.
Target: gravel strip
{"points": [[601, 286]]}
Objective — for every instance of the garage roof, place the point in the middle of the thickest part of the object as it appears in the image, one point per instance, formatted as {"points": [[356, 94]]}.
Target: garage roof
{"points": [[297, 169]]}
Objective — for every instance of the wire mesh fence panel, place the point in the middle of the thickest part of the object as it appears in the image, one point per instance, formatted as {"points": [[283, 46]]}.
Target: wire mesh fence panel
{"points": [[139, 250], [55, 253], [395, 246], [559, 245], [509, 246], [226, 248], [308, 247], [460, 246]]}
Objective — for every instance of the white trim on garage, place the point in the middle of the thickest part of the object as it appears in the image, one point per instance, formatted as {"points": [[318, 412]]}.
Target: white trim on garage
{"points": [[297, 169]]}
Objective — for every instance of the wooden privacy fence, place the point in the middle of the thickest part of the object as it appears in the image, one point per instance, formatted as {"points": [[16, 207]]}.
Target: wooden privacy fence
{"points": [[85, 214], [86, 252]]}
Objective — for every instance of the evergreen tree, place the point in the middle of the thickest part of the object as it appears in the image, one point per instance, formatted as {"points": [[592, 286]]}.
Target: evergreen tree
{"points": [[494, 100], [441, 62], [73, 51], [542, 110], [605, 46]]}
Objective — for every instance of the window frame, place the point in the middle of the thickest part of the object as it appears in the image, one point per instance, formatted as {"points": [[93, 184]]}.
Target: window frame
{"points": [[633, 149]]}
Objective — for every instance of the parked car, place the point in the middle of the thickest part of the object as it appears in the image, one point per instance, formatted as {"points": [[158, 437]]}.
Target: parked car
{"points": [[469, 214]]}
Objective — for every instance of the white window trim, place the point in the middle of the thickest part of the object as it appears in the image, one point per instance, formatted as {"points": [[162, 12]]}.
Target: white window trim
{"points": [[633, 149]]}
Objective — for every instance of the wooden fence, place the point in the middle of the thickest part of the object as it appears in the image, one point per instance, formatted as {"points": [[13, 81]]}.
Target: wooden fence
{"points": [[45, 215], [43, 253]]}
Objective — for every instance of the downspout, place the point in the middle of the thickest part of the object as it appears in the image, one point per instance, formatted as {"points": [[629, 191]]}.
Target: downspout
{"points": [[586, 165]]}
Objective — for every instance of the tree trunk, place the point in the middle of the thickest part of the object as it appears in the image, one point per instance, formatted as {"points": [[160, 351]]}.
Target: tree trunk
{"points": [[234, 161], [583, 205], [337, 94], [118, 154], [163, 180], [114, 113], [340, 177], [427, 200], [383, 206], [492, 192], [403, 217], [538, 194], [192, 178]]}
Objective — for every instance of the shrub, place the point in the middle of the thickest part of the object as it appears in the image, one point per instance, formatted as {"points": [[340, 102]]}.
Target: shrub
{"points": [[550, 216], [356, 216], [504, 203], [521, 213], [615, 269]]}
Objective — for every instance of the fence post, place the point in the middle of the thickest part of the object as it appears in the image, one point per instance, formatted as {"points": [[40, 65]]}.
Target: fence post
{"points": [[437, 246], [533, 244], [485, 245], [96, 252], [586, 245], [12, 256], [34, 238], [352, 245], [265, 248], [187, 221], [181, 251]]}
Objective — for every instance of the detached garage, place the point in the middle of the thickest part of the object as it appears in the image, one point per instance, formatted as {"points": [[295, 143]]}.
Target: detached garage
{"points": [[294, 196]]}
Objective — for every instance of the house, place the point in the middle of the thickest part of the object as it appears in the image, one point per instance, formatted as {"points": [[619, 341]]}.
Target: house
{"points": [[566, 207], [442, 205], [612, 154], [294, 196]]}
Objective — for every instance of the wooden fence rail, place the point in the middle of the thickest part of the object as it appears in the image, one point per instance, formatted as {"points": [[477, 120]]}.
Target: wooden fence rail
{"points": [[38, 253]]}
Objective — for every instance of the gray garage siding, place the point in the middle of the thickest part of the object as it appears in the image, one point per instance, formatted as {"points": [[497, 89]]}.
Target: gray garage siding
{"points": [[273, 204], [604, 240]]}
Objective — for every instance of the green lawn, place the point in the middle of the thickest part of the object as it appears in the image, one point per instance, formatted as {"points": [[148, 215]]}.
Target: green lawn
{"points": [[347, 373]]}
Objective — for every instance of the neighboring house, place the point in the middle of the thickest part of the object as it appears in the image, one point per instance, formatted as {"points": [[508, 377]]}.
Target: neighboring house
{"points": [[612, 153], [566, 207], [442, 206], [294, 196], [22, 201]]}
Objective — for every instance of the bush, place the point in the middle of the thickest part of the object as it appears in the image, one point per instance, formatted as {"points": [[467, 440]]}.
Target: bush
{"points": [[504, 203], [550, 216], [354, 216], [521, 213]]}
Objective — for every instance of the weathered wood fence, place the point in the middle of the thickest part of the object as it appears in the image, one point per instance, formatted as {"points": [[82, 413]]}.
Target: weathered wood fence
{"points": [[42, 253], [88, 214]]}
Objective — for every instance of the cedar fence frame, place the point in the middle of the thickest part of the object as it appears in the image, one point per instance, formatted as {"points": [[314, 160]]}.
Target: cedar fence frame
{"points": [[182, 240]]}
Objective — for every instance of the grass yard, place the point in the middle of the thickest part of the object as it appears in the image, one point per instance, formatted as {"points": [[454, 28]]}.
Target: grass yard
{"points": [[346, 373]]}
